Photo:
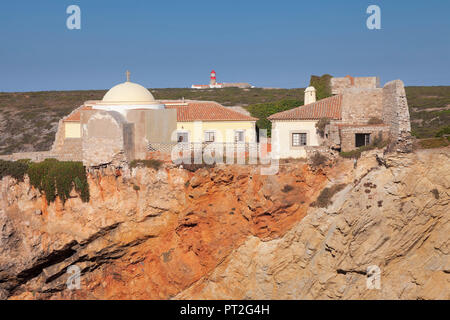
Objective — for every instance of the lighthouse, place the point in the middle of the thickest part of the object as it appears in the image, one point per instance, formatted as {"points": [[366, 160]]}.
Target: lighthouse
{"points": [[212, 82]]}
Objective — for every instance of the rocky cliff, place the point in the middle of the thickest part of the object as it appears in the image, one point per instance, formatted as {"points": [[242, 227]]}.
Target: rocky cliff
{"points": [[228, 232]]}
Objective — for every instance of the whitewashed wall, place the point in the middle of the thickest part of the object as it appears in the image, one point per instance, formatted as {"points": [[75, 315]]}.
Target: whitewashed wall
{"points": [[286, 128]]}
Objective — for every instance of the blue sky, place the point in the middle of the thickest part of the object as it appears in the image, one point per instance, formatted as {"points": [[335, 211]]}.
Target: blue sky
{"points": [[176, 43]]}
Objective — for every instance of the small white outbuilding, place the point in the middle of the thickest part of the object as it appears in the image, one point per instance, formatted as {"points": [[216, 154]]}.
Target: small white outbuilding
{"points": [[296, 128]]}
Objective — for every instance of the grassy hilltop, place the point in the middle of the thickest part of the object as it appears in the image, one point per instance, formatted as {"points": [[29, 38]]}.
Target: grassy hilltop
{"points": [[28, 120]]}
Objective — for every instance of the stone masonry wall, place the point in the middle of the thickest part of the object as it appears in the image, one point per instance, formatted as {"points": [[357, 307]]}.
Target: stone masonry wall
{"points": [[395, 109], [41, 156], [59, 137], [332, 132], [348, 135], [67, 149], [339, 85], [58, 144], [359, 105]]}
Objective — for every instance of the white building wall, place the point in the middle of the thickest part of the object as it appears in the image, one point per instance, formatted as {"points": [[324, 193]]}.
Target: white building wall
{"points": [[285, 130], [72, 130], [222, 129]]}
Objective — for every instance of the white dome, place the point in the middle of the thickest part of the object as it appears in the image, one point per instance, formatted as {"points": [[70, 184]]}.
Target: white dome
{"points": [[129, 93], [310, 89]]}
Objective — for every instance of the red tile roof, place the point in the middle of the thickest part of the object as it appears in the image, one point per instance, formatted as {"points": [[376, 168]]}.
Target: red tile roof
{"points": [[325, 108], [205, 111], [190, 111], [76, 116]]}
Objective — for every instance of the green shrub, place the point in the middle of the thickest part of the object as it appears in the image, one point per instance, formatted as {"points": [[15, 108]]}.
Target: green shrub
{"points": [[58, 178], [324, 199], [322, 85], [287, 188], [356, 154], [152, 163], [443, 131], [15, 169], [263, 110], [435, 192], [193, 167]]}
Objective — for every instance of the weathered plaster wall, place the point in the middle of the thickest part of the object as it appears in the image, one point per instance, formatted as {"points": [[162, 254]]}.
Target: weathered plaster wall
{"points": [[285, 130], [137, 119], [151, 126], [160, 124], [106, 136]]}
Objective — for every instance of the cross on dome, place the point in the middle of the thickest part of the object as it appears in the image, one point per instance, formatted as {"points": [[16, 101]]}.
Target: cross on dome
{"points": [[128, 76]]}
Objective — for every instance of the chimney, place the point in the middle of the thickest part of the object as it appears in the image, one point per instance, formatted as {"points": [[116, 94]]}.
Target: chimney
{"points": [[310, 95]]}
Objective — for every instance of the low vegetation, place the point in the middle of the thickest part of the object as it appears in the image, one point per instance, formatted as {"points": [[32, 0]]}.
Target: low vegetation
{"points": [[231, 96], [55, 178], [429, 108], [445, 131], [152, 163], [193, 167], [263, 110], [15, 169], [51, 177], [435, 193], [287, 188], [433, 143], [292, 160], [318, 159], [325, 196], [322, 84]]}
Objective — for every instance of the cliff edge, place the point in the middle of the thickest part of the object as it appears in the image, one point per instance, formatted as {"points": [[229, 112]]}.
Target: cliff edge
{"points": [[228, 233]]}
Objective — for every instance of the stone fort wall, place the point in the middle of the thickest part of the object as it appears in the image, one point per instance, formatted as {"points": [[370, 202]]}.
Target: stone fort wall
{"points": [[395, 109], [41, 156], [347, 135], [359, 105], [339, 85], [363, 100]]}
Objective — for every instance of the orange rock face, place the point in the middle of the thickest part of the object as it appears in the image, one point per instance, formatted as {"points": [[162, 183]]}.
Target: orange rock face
{"points": [[156, 234], [229, 233], [218, 212]]}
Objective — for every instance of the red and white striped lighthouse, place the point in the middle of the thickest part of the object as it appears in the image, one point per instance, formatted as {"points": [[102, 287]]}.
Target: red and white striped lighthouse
{"points": [[213, 78]]}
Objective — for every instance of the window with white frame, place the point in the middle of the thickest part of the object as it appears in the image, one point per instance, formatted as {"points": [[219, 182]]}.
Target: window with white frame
{"points": [[239, 136], [210, 136], [299, 139]]}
